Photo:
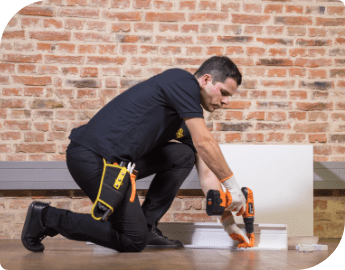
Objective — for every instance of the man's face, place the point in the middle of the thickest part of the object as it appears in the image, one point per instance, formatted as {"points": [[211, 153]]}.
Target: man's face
{"points": [[214, 96]]}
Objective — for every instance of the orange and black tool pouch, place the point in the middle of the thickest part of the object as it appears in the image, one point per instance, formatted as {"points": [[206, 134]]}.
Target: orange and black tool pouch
{"points": [[115, 182]]}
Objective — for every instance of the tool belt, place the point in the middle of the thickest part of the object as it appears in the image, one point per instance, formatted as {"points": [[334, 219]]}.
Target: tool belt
{"points": [[114, 185]]}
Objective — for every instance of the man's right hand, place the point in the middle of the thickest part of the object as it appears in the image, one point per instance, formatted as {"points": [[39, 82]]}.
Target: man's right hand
{"points": [[238, 200]]}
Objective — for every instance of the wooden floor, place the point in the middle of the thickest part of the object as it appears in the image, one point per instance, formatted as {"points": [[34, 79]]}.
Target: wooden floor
{"points": [[65, 254]]}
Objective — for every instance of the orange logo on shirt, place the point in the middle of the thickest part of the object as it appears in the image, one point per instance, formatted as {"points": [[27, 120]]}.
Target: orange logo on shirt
{"points": [[179, 133]]}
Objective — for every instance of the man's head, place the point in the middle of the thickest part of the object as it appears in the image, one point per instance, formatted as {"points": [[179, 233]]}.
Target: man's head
{"points": [[219, 79]]}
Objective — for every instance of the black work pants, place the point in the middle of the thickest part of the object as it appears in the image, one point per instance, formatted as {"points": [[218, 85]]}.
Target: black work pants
{"points": [[126, 229]]}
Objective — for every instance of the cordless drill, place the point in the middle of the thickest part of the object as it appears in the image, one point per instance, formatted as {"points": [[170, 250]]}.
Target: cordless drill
{"points": [[218, 200]]}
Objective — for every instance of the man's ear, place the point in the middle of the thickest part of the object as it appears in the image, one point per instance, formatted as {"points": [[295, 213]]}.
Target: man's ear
{"points": [[206, 79]]}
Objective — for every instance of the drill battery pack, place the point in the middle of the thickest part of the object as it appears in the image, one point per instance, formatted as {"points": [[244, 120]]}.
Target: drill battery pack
{"points": [[216, 202], [115, 182]]}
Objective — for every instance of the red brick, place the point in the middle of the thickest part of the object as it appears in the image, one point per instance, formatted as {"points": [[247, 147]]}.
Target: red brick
{"points": [[170, 50], [148, 27], [205, 40], [37, 11], [163, 5], [321, 138], [120, 3], [88, 72], [34, 91], [336, 10], [294, 72], [34, 81], [256, 8], [51, 36], [13, 35], [276, 73], [187, 5], [29, 47], [51, 22], [232, 39], [235, 137], [34, 137], [294, 9], [330, 22], [36, 148], [93, 37], [6, 68], [320, 204], [10, 136], [41, 70], [99, 26], [176, 39], [117, 27], [297, 52], [81, 13], [234, 50], [237, 105], [316, 32], [296, 31], [254, 137], [83, 49], [296, 138], [168, 27], [104, 49], [31, 22], [275, 52], [17, 125], [18, 58], [316, 52], [249, 19], [164, 17], [338, 116], [122, 16], [278, 137], [255, 51], [298, 94], [275, 30], [194, 50], [275, 41], [190, 28], [149, 49], [298, 115], [279, 94], [4, 79], [258, 94], [64, 59], [231, 6], [318, 106], [12, 91], [71, 24], [99, 3], [105, 60], [322, 150], [230, 115], [214, 50], [202, 17], [187, 217], [256, 116], [271, 126], [273, 9], [276, 116], [313, 116], [314, 74], [288, 84], [133, 38], [251, 30], [146, 4], [76, 2], [293, 20], [208, 5], [311, 128]]}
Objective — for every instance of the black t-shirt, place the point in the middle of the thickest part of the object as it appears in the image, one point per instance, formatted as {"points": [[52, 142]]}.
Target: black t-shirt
{"points": [[143, 117]]}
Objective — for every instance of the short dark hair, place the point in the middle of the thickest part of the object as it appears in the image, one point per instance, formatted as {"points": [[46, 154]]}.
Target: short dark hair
{"points": [[220, 68]]}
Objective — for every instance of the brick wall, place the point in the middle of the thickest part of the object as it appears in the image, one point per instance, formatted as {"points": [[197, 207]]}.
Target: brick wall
{"points": [[329, 214], [63, 60]]}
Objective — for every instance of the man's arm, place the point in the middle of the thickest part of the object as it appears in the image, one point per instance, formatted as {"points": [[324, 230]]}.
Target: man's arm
{"points": [[207, 147]]}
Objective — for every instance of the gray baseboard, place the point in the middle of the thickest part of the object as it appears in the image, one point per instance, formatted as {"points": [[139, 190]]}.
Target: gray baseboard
{"points": [[43, 175]]}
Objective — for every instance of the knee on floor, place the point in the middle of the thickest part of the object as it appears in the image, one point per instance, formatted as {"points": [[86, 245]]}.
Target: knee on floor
{"points": [[138, 243]]}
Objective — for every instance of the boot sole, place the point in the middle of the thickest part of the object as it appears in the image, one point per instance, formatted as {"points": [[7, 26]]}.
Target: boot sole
{"points": [[25, 228]]}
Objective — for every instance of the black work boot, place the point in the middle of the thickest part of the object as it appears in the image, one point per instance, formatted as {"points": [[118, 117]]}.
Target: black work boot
{"points": [[34, 231], [159, 241]]}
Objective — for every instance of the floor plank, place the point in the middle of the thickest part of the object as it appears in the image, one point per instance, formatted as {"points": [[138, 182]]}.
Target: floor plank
{"points": [[65, 254]]}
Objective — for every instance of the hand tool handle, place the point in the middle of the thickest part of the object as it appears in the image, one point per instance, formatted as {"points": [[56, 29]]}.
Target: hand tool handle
{"points": [[248, 215]]}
